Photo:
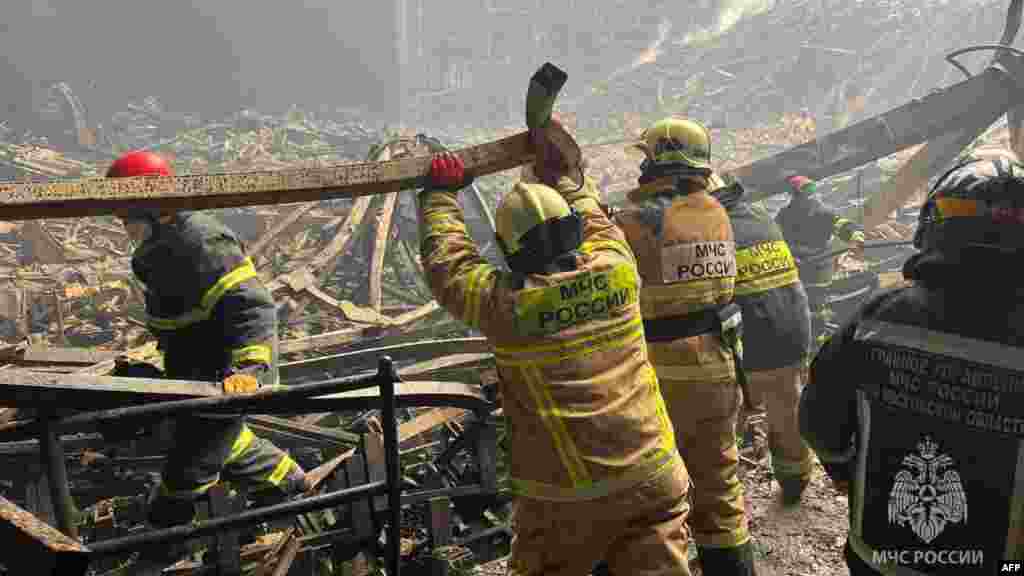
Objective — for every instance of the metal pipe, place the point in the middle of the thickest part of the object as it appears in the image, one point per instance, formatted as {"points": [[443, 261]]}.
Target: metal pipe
{"points": [[52, 456], [127, 544], [388, 377]]}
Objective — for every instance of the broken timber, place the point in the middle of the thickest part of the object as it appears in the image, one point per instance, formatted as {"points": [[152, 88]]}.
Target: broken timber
{"points": [[953, 108], [28, 389], [95, 196], [41, 549]]}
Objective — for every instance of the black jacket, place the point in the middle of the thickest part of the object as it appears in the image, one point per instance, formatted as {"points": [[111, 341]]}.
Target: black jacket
{"points": [[204, 300], [919, 402], [808, 226], [776, 318]]}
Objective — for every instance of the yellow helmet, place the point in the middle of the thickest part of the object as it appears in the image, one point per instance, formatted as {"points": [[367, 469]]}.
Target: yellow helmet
{"points": [[677, 141], [534, 225]]}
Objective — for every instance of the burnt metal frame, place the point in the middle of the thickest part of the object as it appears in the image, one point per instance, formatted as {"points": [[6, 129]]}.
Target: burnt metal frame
{"points": [[292, 399]]}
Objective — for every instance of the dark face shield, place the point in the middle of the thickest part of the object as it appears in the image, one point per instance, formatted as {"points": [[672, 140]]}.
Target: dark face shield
{"points": [[544, 243]]}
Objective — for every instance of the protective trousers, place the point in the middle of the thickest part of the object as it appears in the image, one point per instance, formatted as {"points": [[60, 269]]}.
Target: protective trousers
{"points": [[207, 448], [775, 394], [704, 414], [641, 530]]}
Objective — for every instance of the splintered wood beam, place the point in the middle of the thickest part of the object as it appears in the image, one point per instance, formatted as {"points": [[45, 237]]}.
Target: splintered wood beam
{"points": [[27, 389], [987, 94], [270, 425], [44, 355], [283, 223], [28, 200], [915, 173], [34, 547], [380, 244]]}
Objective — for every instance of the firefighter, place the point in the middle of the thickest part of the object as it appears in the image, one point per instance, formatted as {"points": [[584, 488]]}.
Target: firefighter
{"points": [[776, 336], [592, 456], [914, 404], [214, 321], [808, 227], [686, 256]]}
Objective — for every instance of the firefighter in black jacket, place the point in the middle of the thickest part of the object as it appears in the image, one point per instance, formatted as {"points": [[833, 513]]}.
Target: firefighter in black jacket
{"points": [[809, 226], [918, 402], [214, 321], [776, 335]]}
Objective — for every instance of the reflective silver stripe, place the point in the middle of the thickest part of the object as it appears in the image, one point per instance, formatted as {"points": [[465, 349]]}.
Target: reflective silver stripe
{"points": [[856, 533], [863, 440], [1015, 533], [945, 343], [855, 294]]}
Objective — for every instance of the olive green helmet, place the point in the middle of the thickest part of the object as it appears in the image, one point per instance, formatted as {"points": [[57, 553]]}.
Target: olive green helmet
{"points": [[674, 141], [534, 225]]}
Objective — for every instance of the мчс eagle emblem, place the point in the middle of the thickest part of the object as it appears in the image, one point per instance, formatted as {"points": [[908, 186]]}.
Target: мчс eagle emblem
{"points": [[927, 494]]}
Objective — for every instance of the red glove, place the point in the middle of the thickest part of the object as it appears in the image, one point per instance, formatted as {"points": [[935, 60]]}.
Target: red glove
{"points": [[448, 172], [799, 182], [549, 165]]}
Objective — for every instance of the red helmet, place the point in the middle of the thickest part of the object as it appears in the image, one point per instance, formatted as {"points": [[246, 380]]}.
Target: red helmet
{"points": [[140, 163]]}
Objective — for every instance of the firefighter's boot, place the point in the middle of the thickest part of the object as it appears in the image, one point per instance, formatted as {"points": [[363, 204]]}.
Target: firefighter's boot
{"points": [[737, 561]]}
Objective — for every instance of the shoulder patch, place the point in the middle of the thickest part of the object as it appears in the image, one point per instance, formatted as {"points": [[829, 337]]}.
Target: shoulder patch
{"points": [[589, 295], [692, 261]]}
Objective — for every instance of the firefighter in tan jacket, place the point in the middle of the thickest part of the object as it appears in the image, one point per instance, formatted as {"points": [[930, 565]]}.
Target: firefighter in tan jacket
{"points": [[592, 456], [686, 256]]}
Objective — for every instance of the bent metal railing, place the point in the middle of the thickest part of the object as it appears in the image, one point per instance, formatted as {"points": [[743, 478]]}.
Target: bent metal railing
{"points": [[43, 546]]}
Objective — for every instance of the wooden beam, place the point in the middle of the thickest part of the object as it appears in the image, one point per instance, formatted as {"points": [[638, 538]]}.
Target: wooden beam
{"points": [[75, 356], [28, 200], [332, 436], [34, 547], [421, 393], [915, 173], [83, 392], [989, 93]]}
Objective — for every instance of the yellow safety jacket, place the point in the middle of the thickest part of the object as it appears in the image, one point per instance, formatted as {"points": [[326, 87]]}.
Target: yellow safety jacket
{"points": [[686, 255], [584, 413]]}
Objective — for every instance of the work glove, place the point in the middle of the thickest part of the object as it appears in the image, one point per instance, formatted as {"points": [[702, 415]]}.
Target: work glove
{"points": [[549, 165], [801, 184], [240, 383], [448, 172]]}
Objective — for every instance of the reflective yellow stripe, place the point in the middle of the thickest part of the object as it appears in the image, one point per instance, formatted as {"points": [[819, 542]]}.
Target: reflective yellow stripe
{"points": [[657, 465], [242, 443], [558, 345], [232, 279], [552, 417], [579, 348], [202, 489], [281, 470], [763, 267], [668, 437], [471, 312], [760, 285], [729, 533], [227, 282], [256, 353]]}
